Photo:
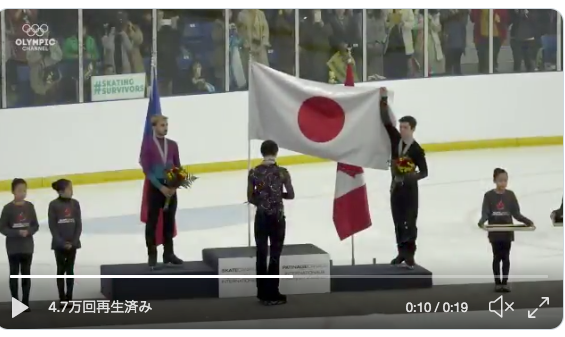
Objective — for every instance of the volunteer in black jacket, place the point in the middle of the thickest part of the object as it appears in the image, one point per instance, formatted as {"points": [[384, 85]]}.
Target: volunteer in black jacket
{"points": [[65, 224], [500, 205]]}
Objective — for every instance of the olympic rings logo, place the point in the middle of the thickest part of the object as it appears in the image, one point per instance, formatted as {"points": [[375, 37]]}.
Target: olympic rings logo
{"points": [[35, 30]]}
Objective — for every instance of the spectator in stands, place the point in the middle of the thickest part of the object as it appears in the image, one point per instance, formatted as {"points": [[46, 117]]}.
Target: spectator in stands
{"points": [[376, 39], [71, 51], [168, 48], [45, 76], [480, 17], [345, 32], [400, 45], [254, 31], [219, 38], [338, 66], [454, 23], [523, 38], [199, 83], [15, 20], [146, 27], [547, 29], [315, 48], [283, 40], [121, 46], [90, 57], [436, 61]]}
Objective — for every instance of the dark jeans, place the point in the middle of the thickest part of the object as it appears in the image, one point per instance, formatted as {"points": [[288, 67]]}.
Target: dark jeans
{"points": [[404, 207], [269, 228], [453, 61], [483, 53], [20, 264], [501, 255], [156, 203], [65, 259], [523, 51]]}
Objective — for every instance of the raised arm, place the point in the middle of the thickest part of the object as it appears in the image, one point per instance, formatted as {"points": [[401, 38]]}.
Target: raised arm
{"points": [[485, 211], [516, 211], [393, 133], [289, 194]]}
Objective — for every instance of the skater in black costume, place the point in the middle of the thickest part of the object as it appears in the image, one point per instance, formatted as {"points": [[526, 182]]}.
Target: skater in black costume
{"points": [[404, 188], [265, 190]]}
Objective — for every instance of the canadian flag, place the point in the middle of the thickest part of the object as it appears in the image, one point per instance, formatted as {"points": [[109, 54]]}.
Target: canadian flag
{"points": [[318, 119], [351, 206]]}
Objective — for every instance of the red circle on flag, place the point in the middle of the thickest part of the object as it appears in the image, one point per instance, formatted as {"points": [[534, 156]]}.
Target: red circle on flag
{"points": [[320, 119]]}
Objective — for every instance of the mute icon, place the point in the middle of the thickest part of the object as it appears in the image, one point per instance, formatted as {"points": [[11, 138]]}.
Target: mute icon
{"points": [[497, 306]]}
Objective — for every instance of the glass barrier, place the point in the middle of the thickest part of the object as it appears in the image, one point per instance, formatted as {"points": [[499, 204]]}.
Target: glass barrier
{"points": [[532, 41], [115, 59], [71, 56], [190, 51], [41, 68], [326, 40]]}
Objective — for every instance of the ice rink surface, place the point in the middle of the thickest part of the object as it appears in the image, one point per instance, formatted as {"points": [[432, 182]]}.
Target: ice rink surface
{"points": [[212, 214]]}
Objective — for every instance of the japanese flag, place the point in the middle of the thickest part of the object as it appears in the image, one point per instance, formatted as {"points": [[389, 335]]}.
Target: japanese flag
{"points": [[318, 119]]}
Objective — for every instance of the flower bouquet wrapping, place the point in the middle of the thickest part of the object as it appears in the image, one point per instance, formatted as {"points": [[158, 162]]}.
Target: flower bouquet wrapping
{"points": [[402, 167], [178, 177]]}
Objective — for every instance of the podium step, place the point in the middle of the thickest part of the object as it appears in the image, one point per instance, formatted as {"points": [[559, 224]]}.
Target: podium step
{"points": [[378, 277], [121, 289]]}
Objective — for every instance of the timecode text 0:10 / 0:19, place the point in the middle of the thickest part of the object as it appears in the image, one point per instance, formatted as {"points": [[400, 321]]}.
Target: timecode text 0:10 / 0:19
{"points": [[429, 307]]}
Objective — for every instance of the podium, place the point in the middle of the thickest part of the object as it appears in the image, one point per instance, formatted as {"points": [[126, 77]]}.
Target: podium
{"points": [[371, 277], [121, 289], [310, 265]]}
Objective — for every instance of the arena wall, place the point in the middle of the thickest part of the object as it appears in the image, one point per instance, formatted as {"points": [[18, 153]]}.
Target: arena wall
{"points": [[99, 142]]}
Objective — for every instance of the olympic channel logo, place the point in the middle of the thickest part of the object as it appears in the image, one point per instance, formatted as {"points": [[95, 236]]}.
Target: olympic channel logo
{"points": [[37, 38], [35, 30]]}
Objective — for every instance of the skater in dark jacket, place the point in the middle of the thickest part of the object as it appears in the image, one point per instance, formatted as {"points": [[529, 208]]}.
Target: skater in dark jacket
{"points": [[18, 223], [268, 184], [500, 205], [404, 187], [65, 224]]}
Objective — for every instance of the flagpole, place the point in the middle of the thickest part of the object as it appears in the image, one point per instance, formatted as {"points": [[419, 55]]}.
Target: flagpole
{"points": [[350, 62], [249, 206], [353, 249]]}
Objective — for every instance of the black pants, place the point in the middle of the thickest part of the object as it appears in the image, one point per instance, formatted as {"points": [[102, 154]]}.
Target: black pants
{"points": [[20, 264], [483, 53], [157, 201], [453, 61], [65, 259], [404, 207], [523, 51], [501, 255], [269, 228], [395, 64]]}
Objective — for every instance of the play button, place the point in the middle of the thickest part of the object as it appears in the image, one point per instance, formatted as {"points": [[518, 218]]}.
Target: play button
{"points": [[17, 307]]}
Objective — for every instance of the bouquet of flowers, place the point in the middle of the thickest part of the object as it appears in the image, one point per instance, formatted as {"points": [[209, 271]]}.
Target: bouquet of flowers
{"points": [[402, 166], [178, 177]]}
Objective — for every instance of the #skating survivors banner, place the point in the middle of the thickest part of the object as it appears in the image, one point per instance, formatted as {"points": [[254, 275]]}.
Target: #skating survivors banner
{"points": [[115, 87]]}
